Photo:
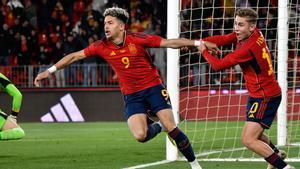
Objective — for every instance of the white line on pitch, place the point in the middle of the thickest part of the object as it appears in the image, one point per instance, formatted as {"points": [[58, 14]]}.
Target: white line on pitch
{"points": [[149, 164]]}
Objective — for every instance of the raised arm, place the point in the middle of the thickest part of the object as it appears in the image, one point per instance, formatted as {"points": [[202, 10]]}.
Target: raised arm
{"points": [[178, 43], [65, 61]]}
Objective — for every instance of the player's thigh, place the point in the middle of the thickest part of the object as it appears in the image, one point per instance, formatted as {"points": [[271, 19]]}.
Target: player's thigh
{"points": [[137, 124], [167, 119], [135, 103], [158, 99], [251, 131]]}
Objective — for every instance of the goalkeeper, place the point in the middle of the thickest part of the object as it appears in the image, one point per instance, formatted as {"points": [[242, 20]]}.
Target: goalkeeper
{"points": [[254, 58], [9, 129]]}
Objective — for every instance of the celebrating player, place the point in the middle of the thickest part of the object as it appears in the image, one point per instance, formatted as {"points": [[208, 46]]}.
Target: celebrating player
{"points": [[9, 129], [253, 56], [140, 82]]}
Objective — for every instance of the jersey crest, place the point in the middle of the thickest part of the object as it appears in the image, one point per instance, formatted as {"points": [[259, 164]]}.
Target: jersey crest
{"points": [[132, 48]]}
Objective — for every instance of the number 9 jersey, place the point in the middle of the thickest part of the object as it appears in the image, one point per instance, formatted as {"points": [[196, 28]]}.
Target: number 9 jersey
{"points": [[130, 60]]}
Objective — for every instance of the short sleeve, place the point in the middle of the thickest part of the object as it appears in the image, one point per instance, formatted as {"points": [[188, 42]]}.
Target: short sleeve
{"points": [[93, 49], [151, 41]]}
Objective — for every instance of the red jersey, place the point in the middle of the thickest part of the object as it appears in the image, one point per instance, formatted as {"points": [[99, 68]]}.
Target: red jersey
{"points": [[131, 61], [254, 58]]}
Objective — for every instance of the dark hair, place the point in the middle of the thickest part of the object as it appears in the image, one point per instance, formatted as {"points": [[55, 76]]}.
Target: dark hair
{"points": [[249, 13], [119, 13]]}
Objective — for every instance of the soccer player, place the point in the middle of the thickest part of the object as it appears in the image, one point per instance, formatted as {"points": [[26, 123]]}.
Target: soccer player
{"points": [[140, 82], [253, 56], [9, 129]]}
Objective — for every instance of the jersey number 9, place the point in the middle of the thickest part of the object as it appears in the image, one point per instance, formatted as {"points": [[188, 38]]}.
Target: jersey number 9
{"points": [[126, 62]]}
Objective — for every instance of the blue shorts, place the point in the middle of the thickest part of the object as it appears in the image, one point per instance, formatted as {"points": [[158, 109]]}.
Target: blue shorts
{"points": [[262, 110], [151, 100]]}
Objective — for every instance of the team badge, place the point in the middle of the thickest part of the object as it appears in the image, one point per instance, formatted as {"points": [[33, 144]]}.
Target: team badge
{"points": [[132, 48]]}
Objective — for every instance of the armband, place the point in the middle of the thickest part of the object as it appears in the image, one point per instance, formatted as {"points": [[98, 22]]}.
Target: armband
{"points": [[197, 43], [52, 69]]}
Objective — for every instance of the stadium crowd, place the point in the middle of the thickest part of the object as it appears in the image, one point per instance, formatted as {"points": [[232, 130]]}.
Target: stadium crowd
{"points": [[37, 32]]}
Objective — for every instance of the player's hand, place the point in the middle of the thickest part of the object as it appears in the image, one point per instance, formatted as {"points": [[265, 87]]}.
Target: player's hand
{"points": [[212, 47], [40, 77]]}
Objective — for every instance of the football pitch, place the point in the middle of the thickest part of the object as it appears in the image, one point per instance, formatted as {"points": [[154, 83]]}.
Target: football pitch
{"points": [[100, 145]]}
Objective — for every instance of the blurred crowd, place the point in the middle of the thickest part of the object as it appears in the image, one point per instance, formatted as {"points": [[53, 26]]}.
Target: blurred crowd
{"points": [[42, 31]]}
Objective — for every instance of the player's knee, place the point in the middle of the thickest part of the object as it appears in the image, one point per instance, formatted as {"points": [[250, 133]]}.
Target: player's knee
{"points": [[247, 142], [140, 136]]}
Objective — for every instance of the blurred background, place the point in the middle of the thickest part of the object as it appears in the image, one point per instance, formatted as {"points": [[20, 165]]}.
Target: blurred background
{"points": [[35, 34]]}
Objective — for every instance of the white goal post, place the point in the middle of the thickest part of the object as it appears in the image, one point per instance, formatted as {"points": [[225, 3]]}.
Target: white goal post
{"points": [[173, 71], [212, 124], [282, 70]]}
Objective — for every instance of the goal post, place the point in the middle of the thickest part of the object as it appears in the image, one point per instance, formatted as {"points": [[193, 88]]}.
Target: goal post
{"points": [[282, 70], [210, 106], [173, 71]]}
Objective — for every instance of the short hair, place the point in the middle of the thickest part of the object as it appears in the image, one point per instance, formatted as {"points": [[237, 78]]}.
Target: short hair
{"points": [[249, 13], [119, 13]]}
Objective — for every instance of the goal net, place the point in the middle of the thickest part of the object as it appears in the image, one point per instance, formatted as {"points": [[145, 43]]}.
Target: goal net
{"points": [[212, 105]]}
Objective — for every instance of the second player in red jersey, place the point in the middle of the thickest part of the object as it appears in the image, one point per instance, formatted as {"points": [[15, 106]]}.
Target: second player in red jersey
{"points": [[253, 56]]}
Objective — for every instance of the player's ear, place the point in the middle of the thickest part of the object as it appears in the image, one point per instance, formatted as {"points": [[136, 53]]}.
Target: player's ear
{"points": [[252, 27], [122, 27]]}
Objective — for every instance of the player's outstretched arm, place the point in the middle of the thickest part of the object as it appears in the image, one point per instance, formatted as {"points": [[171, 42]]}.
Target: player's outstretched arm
{"points": [[182, 42], [176, 43], [65, 61]]}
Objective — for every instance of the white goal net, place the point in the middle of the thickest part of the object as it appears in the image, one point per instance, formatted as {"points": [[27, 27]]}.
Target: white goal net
{"points": [[212, 105]]}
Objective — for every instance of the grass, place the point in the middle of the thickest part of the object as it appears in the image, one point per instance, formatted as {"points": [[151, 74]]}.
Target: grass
{"points": [[101, 145]]}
